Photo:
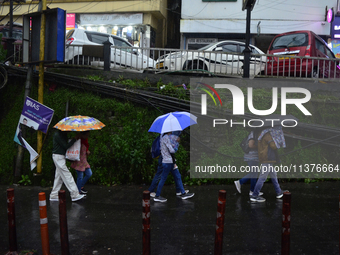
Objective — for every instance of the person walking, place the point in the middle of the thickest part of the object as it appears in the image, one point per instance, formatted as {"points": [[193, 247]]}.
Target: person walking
{"points": [[82, 166], [269, 140], [62, 174], [168, 164], [252, 159]]}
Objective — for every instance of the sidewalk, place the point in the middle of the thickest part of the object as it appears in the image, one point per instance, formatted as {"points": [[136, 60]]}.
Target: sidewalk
{"points": [[109, 221]]}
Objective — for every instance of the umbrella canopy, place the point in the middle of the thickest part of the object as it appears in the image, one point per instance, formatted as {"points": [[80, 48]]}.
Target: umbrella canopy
{"points": [[173, 121], [79, 123]]}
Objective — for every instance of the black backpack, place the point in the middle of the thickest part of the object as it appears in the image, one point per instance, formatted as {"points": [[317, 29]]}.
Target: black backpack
{"points": [[156, 147]]}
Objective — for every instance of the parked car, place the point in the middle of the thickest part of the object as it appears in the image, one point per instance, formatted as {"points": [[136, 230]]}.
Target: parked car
{"points": [[126, 56], [295, 55], [223, 57]]}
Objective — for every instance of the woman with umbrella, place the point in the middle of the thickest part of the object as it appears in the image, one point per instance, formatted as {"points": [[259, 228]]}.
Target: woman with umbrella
{"points": [[165, 125]]}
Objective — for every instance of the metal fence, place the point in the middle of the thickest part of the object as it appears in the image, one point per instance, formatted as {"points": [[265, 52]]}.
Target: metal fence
{"points": [[213, 63]]}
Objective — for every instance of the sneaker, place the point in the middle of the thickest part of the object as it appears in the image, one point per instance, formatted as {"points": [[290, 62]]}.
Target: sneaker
{"points": [[160, 199], [180, 193], [187, 195], [257, 199], [83, 191], [80, 196], [54, 199], [251, 193], [152, 194], [281, 194], [238, 186]]}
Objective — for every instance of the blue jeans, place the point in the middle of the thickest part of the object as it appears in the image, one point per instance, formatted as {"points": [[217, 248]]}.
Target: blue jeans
{"points": [[175, 173], [265, 170], [167, 168], [81, 180], [252, 176]]}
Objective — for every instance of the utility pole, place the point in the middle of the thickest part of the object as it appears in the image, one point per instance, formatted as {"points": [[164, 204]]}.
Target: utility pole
{"points": [[41, 81], [10, 40], [247, 5]]}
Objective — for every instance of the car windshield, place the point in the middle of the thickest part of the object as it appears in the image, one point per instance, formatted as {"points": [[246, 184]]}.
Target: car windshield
{"points": [[291, 40]]}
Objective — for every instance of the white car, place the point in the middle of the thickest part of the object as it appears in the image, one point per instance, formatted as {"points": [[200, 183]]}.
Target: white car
{"points": [[223, 57], [125, 56]]}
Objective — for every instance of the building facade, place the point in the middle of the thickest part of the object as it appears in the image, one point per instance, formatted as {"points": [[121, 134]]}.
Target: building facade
{"points": [[206, 21]]}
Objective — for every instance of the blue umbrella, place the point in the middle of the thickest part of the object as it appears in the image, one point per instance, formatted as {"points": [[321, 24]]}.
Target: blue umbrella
{"points": [[173, 121]]}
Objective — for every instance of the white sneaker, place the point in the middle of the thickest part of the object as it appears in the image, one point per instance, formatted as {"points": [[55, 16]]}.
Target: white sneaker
{"points": [[54, 199], [78, 197], [179, 193], [238, 186], [251, 193], [152, 194]]}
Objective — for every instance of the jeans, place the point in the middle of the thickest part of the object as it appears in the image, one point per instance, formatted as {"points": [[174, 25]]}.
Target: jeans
{"points": [[167, 168], [175, 173], [252, 176], [81, 180], [265, 170]]}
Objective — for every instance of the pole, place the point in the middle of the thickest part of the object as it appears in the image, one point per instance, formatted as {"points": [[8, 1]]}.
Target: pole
{"points": [[246, 64], [220, 222], [44, 224], [10, 40], [63, 223], [285, 239], [12, 233], [146, 222], [41, 81]]}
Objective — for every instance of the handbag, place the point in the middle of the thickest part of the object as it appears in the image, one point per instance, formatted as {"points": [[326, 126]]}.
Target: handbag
{"points": [[73, 153]]}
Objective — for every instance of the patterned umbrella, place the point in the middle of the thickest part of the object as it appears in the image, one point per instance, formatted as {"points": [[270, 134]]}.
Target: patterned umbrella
{"points": [[79, 123]]}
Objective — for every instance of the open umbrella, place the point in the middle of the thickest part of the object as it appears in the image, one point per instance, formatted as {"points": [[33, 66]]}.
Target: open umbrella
{"points": [[79, 123], [173, 121]]}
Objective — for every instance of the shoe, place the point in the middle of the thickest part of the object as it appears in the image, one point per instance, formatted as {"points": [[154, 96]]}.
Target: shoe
{"points": [[160, 199], [54, 199], [281, 194], [257, 199], [152, 194], [238, 186], [251, 193], [80, 196], [179, 193], [83, 191], [187, 195]]}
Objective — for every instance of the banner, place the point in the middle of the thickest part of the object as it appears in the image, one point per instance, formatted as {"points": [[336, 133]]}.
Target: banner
{"points": [[36, 116]]}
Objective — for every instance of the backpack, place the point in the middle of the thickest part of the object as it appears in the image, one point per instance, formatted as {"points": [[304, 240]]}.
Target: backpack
{"points": [[156, 147]]}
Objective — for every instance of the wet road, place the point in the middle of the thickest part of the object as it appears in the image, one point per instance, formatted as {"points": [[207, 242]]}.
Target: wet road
{"points": [[109, 221]]}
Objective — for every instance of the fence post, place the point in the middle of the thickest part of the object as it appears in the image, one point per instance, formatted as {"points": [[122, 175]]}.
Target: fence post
{"points": [[285, 240], [63, 223], [107, 55], [220, 222], [12, 233], [44, 224], [146, 223]]}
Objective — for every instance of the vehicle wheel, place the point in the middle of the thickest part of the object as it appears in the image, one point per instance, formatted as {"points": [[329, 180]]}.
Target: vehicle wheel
{"points": [[193, 66]]}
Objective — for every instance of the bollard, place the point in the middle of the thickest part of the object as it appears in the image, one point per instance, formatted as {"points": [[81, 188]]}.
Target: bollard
{"points": [[146, 223], [63, 223], [285, 239], [220, 222], [44, 224], [12, 233]]}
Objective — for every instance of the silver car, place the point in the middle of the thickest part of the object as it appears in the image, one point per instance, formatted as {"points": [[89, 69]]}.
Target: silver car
{"points": [[223, 57], [123, 54]]}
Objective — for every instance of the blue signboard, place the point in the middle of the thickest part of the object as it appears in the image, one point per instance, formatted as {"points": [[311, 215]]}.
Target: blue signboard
{"points": [[335, 28]]}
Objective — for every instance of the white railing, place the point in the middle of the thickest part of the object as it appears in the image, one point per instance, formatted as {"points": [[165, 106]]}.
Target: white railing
{"points": [[218, 63]]}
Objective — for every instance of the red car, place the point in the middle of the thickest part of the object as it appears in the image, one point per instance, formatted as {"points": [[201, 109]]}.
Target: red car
{"points": [[301, 54]]}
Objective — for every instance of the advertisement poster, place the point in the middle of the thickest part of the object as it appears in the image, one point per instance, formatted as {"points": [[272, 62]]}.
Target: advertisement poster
{"points": [[336, 48], [35, 116]]}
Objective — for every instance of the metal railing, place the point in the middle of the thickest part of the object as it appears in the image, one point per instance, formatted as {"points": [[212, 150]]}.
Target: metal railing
{"points": [[217, 63]]}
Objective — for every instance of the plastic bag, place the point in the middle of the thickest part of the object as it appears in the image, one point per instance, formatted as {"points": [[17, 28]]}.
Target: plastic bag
{"points": [[73, 153]]}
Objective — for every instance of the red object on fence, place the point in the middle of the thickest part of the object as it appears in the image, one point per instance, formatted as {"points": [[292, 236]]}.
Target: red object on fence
{"points": [[44, 224], [63, 223], [12, 233], [220, 222], [285, 240], [146, 223]]}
